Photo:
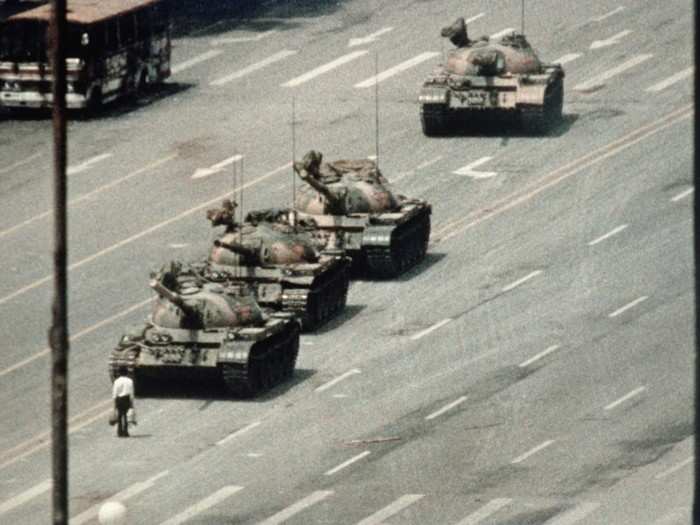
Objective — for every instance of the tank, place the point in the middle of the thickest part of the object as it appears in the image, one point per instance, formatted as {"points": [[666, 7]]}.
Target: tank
{"points": [[204, 331], [385, 233], [289, 265], [485, 76]]}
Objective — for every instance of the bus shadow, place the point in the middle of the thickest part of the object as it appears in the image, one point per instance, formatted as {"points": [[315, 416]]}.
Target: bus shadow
{"points": [[127, 105]]}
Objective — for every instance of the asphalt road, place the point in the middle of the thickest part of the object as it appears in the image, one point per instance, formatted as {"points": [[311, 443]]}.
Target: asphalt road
{"points": [[536, 368]]}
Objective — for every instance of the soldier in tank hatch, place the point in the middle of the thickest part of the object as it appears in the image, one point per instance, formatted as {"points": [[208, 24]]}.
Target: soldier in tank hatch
{"points": [[225, 215]]}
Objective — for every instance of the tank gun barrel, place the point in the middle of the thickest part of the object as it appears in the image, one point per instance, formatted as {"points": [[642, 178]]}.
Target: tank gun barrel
{"points": [[171, 296], [315, 183], [244, 251]]}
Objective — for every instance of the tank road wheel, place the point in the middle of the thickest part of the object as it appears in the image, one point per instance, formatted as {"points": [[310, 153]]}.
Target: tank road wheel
{"points": [[434, 119], [241, 381]]}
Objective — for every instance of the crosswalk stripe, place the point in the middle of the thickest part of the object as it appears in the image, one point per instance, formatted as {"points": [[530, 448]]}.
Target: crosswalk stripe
{"points": [[394, 508], [281, 55], [297, 507], [484, 512], [403, 66], [574, 515], [325, 68], [203, 505]]}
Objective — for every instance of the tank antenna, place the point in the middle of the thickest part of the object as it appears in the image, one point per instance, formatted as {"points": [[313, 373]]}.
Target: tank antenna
{"points": [[376, 109], [294, 154], [522, 17]]}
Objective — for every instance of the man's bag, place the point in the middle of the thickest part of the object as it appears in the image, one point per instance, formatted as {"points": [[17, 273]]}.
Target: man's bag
{"points": [[131, 416], [113, 418]]}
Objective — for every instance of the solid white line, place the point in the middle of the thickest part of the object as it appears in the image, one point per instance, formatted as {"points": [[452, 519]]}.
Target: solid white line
{"points": [[599, 81], [484, 512], [671, 80], [447, 407], [239, 39], [677, 516], [609, 14], [521, 281], [675, 468], [337, 380], [403, 66], [608, 235], [628, 306], [539, 356], [203, 505], [83, 166], [574, 515], [425, 332], [626, 397], [207, 55], [281, 55], [390, 510], [347, 463], [533, 451], [570, 57], [21, 162], [325, 68], [24, 497], [615, 39], [238, 433], [297, 507], [682, 195], [501, 33]]}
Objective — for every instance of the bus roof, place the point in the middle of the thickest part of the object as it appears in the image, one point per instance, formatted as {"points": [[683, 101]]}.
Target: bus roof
{"points": [[86, 11]]}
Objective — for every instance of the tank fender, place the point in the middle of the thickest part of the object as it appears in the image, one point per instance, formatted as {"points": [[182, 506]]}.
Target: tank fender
{"points": [[532, 94], [234, 353], [434, 95], [377, 236]]}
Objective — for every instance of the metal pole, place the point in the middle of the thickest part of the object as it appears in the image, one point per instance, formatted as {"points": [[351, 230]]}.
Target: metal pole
{"points": [[294, 154], [522, 17], [376, 109], [58, 333]]}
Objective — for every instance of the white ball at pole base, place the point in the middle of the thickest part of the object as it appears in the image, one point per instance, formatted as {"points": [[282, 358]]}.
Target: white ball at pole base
{"points": [[112, 513]]}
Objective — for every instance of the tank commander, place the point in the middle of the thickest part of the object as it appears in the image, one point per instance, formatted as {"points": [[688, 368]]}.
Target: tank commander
{"points": [[223, 216], [457, 33], [309, 170]]}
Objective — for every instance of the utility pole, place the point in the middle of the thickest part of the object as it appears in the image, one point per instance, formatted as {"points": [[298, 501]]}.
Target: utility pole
{"points": [[58, 333]]}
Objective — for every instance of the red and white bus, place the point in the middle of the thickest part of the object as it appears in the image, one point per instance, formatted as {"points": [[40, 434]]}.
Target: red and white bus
{"points": [[114, 48]]}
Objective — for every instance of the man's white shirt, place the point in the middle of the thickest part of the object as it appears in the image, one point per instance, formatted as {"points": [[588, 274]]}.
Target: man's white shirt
{"points": [[123, 386]]}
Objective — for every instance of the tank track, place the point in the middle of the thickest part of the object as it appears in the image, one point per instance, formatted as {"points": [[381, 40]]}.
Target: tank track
{"points": [[321, 302], [539, 119], [409, 244], [270, 363], [434, 119], [122, 358]]}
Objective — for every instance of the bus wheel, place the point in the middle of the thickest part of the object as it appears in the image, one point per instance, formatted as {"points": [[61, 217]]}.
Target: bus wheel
{"points": [[142, 83]]}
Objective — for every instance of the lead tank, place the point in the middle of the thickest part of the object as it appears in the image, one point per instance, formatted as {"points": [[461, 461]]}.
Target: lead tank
{"points": [[384, 232], [289, 266], [200, 330], [488, 76]]}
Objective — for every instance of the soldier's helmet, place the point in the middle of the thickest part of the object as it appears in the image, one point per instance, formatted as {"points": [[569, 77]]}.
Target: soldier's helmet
{"points": [[312, 161], [228, 205], [456, 32]]}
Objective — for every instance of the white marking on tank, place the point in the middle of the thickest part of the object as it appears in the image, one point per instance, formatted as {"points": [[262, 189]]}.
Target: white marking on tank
{"points": [[403, 66], [85, 165], [337, 380], [599, 81], [628, 306], [683, 195], [238, 433], [574, 515], [207, 55], [608, 15], [486, 511], [203, 505], [215, 168], [520, 281], [469, 170], [281, 55], [24, 497], [612, 232], [325, 68], [347, 463], [671, 80], [21, 162], [569, 57], [532, 451], [425, 332], [241, 39], [615, 39], [474, 18], [535, 358], [675, 468], [390, 510], [369, 38], [447, 407], [502, 33], [297, 507], [626, 397]]}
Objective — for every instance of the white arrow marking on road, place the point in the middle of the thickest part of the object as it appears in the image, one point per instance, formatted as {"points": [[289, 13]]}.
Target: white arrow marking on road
{"points": [[79, 168], [671, 80], [390, 510], [615, 39], [216, 168], [484, 512], [208, 55], [501, 33], [570, 57], [608, 15], [27, 495], [338, 379], [369, 38], [469, 171], [285, 53], [203, 505], [325, 68], [297, 507], [403, 66], [599, 81], [238, 39]]}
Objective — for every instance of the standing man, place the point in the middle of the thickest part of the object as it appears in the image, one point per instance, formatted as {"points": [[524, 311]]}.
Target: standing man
{"points": [[123, 395]]}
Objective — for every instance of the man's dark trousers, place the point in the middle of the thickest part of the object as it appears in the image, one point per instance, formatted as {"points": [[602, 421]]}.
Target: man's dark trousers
{"points": [[123, 404]]}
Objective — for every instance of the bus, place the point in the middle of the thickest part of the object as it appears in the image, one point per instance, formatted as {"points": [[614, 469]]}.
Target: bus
{"points": [[113, 48]]}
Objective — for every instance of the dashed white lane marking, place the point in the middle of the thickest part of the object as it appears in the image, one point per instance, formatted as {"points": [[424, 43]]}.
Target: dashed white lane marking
{"points": [[297, 507], [608, 14], [348, 463], [281, 55], [628, 306], [178, 245], [86, 164], [469, 170], [425, 332], [337, 380], [612, 232], [340, 396], [361, 41], [484, 512], [671, 80], [208, 502], [574, 515], [532, 452], [139, 235], [421, 166], [565, 59], [24, 497], [325, 68], [20, 163], [501, 33], [240, 39], [207, 55], [216, 168], [626, 397], [403, 66], [599, 81], [237, 433], [428, 163], [520, 281], [474, 18], [678, 516], [124, 495], [390, 510], [254, 455], [675, 468], [682, 195], [539, 356], [615, 39], [447, 407]]}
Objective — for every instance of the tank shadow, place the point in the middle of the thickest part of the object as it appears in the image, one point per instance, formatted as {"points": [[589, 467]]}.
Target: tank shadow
{"points": [[504, 126], [348, 313], [430, 259]]}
